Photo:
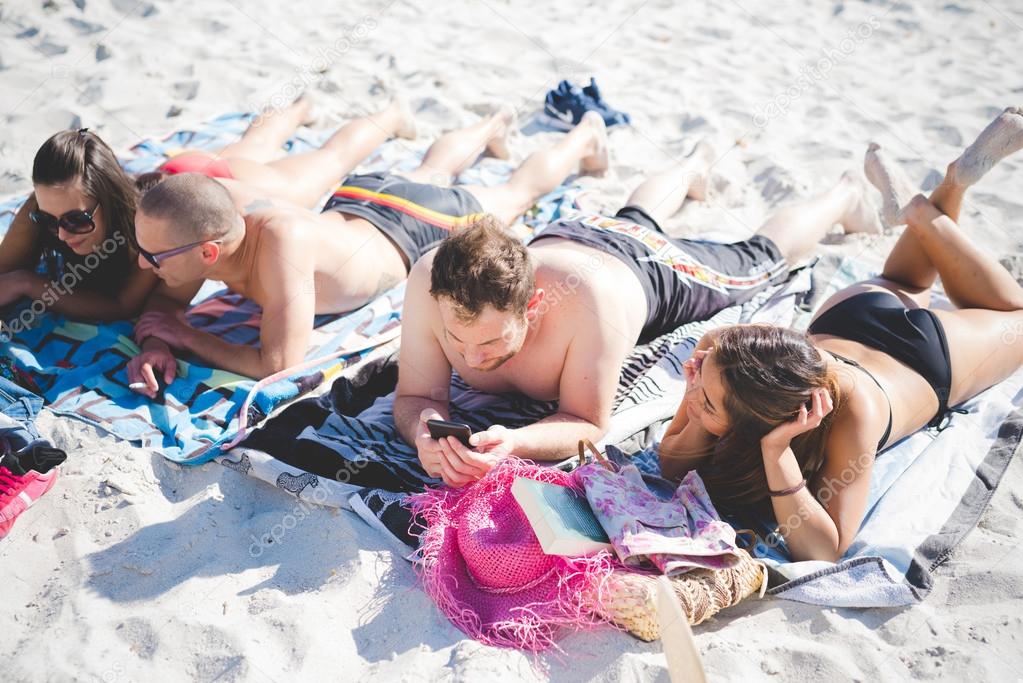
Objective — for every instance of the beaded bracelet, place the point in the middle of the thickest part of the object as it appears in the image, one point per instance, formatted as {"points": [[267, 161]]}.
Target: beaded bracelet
{"points": [[789, 491]]}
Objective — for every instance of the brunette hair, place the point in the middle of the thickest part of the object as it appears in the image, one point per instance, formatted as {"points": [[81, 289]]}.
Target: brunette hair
{"points": [[81, 154], [480, 265], [768, 372]]}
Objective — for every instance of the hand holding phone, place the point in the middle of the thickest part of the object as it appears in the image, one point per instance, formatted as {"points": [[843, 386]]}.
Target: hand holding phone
{"points": [[441, 428]]}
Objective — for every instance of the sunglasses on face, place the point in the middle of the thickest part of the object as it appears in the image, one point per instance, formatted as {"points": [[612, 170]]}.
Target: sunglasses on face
{"points": [[156, 258], [76, 221]]}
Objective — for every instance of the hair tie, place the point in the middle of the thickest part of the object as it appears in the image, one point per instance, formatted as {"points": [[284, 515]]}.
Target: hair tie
{"points": [[82, 132]]}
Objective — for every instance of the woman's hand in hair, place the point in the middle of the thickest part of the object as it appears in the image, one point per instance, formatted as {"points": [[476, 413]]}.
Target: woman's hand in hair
{"points": [[777, 441]]}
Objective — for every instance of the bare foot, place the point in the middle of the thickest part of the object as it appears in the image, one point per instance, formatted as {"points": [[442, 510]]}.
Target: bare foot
{"points": [[299, 112], [862, 214], [698, 165], [1002, 137], [889, 179], [597, 162], [497, 146], [406, 127]]}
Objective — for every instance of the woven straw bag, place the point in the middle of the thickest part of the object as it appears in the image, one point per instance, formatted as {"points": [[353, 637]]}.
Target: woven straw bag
{"points": [[628, 599]]}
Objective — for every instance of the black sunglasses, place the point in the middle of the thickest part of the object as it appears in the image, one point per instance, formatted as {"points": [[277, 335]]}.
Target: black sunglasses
{"points": [[156, 258], [76, 221]]}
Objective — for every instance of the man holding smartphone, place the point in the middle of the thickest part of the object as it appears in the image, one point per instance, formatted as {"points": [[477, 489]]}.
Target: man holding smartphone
{"points": [[556, 320]]}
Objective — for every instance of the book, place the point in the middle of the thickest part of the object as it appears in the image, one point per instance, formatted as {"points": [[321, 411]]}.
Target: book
{"points": [[561, 519]]}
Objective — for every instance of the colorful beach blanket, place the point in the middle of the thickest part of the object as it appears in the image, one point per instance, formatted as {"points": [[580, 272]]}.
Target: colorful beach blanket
{"points": [[324, 450], [325, 455], [79, 368]]}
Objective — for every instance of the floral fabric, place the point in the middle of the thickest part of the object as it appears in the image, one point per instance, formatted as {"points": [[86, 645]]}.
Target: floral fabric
{"points": [[674, 535]]}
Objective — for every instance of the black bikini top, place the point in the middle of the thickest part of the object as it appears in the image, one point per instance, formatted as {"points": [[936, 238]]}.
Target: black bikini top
{"points": [[888, 431]]}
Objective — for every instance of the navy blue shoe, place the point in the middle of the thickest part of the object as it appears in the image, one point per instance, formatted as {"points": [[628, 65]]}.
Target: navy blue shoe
{"points": [[564, 106], [611, 116]]}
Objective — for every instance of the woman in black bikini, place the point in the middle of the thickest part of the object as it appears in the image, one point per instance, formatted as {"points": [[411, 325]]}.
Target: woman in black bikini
{"points": [[788, 422]]}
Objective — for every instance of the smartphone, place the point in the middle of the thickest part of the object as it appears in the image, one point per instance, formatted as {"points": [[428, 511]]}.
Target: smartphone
{"points": [[441, 428]]}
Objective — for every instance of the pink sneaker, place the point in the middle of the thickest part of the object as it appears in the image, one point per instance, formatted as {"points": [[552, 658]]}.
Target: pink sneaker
{"points": [[17, 494]]}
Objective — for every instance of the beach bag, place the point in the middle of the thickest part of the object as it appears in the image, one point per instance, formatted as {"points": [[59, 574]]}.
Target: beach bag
{"points": [[629, 598]]}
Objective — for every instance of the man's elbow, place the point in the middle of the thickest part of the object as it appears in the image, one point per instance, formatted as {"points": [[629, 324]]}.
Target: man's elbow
{"points": [[588, 425], [402, 397]]}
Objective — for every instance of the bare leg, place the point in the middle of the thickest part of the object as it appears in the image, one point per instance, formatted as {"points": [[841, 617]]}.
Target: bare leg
{"points": [[584, 146], [985, 347], [662, 194], [268, 132], [457, 150], [909, 264], [304, 178], [798, 228], [985, 337], [972, 278]]}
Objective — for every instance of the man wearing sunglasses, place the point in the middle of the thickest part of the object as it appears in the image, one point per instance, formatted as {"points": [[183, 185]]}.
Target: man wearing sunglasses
{"points": [[296, 263], [291, 261]]}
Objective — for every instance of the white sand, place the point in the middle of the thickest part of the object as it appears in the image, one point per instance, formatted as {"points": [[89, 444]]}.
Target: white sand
{"points": [[153, 579]]}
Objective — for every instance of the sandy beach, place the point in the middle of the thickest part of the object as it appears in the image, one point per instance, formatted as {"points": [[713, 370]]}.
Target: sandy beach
{"points": [[133, 568]]}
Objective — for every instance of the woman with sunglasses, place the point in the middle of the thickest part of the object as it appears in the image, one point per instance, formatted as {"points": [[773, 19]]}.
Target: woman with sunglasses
{"points": [[68, 245]]}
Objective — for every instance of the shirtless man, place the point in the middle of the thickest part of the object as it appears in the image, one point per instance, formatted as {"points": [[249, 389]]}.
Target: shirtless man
{"points": [[297, 263], [555, 320]]}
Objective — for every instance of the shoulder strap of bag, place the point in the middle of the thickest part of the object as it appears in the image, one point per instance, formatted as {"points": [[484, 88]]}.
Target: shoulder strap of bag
{"points": [[586, 444]]}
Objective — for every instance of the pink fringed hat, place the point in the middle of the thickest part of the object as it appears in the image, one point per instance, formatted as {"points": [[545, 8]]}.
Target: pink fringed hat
{"points": [[485, 569]]}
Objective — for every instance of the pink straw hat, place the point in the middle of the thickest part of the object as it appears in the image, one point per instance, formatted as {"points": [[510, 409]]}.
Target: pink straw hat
{"points": [[485, 569]]}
